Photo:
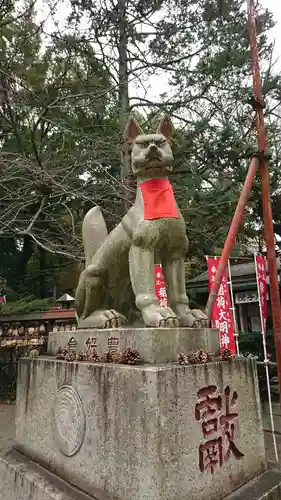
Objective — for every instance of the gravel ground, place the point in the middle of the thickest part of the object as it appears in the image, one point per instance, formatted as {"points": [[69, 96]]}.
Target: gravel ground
{"points": [[7, 432]]}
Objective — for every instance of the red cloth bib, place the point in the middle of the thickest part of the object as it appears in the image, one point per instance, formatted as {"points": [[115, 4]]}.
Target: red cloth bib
{"points": [[159, 201]]}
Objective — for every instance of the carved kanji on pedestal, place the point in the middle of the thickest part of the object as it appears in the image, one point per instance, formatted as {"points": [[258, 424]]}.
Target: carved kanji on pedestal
{"points": [[218, 417]]}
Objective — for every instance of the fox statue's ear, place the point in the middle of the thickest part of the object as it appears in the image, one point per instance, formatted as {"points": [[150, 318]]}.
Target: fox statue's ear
{"points": [[165, 127], [132, 130]]}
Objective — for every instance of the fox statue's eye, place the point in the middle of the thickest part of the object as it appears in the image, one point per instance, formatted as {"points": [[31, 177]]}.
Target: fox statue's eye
{"points": [[143, 145], [161, 143]]}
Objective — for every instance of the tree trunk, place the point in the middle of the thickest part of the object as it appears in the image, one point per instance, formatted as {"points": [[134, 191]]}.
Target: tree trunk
{"points": [[43, 269], [123, 84], [126, 175]]}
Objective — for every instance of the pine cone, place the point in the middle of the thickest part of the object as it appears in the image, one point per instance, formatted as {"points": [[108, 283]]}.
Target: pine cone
{"points": [[131, 357], [193, 357], [203, 356], [108, 357], [61, 353], [226, 355], [58, 353], [182, 359], [70, 357], [80, 356], [93, 356], [210, 356]]}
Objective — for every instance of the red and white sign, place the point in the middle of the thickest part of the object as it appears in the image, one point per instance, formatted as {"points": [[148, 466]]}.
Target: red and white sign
{"points": [[3, 299], [260, 262], [160, 289], [222, 315]]}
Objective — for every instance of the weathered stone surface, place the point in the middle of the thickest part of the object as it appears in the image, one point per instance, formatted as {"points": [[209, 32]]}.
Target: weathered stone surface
{"points": [[266, 486], [21, 479], [141, 436], [155, 345]]}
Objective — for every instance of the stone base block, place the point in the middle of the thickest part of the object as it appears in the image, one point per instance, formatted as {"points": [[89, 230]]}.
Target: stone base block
{"points": [[146, 432], [21, 479], [155, 345]]}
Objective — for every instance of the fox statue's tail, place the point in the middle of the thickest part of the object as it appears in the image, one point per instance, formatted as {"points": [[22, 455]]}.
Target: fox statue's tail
{"points": [[94, 232]]}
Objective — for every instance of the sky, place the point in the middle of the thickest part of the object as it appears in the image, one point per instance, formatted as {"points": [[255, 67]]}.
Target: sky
{"points": [[274, 6], [157, 84]]}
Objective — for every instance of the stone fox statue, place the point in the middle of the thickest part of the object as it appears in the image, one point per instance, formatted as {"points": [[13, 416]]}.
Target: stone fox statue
{"points": [[153, 230]]}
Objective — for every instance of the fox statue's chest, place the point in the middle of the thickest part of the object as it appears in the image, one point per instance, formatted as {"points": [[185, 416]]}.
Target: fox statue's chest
{"points": [[155, 220], [158, 200]]}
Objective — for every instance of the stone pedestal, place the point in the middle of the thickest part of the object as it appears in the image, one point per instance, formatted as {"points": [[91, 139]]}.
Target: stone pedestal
{"points": [[142, 432], [155, 345], [157, 431]]}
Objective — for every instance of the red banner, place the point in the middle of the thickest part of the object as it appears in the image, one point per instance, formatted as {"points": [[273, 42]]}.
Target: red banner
{"points": [[262, 288], [160, 288], [222, 316]]}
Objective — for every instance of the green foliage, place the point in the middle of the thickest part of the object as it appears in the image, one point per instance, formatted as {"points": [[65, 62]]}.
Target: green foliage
{"points": [[58, 119], [66, 96], [206, 53], [250, 343], [25, 306]]}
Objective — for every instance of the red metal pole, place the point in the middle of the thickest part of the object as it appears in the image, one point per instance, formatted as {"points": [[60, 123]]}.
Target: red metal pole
{"points": [[265, 185], [232, 233]]}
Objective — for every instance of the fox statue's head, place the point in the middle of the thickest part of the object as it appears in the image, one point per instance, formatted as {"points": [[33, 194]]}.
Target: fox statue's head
{"points": [[151, 153]]}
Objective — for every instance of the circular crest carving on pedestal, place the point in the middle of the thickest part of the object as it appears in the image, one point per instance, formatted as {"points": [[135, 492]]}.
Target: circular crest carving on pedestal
{"points": [[69, 421]]}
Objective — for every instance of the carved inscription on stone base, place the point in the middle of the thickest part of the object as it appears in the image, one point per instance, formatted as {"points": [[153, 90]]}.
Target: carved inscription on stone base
{"points": [[69, 421]]}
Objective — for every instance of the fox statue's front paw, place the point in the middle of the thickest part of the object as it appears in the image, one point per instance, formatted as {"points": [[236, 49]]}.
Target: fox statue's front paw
{"points": [[104, 319], [156, 316], [192, 318]]}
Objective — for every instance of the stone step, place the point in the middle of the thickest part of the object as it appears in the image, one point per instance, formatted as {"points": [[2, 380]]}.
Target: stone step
{"points": [[22, 479], [267, 486]]}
